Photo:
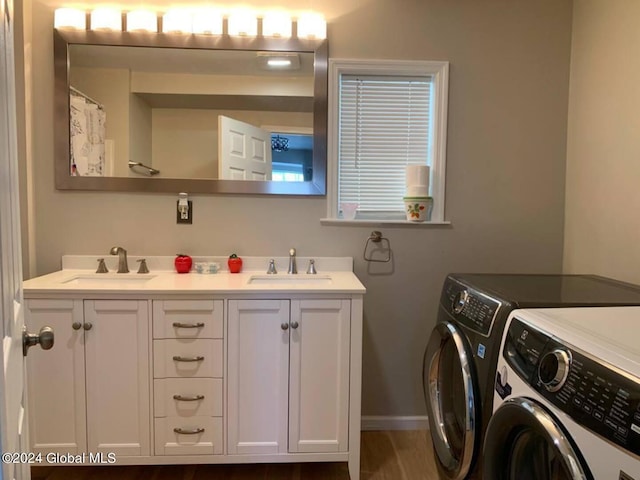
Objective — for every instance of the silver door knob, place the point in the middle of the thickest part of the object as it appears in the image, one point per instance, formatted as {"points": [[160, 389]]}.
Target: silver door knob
{"points": [[76, 325], [87, 325], [44, 338], [294, 324], [284, 326]]}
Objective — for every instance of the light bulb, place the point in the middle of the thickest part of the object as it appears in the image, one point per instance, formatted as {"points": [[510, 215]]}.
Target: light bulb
{"points": [[70, 18], [312, 25], [243, 23], [207, 21], [176, 21], [106, 19], [142, 20], [276, 24]]}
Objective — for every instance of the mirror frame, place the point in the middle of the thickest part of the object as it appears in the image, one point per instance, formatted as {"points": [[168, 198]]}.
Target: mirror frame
{"points": [[63, 179]]}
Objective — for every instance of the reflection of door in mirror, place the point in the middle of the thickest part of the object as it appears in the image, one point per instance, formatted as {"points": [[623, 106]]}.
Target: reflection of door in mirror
{"points": [[244, 151]]}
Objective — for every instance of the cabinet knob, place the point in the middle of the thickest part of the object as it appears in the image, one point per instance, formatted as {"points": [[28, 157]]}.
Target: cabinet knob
{"points": [[294, 324], [87, 325], [76, 325], [284, 326]]}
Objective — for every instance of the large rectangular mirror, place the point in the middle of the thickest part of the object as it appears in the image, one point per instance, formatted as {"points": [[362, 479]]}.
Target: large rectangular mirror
{"points": [[194, 113]]}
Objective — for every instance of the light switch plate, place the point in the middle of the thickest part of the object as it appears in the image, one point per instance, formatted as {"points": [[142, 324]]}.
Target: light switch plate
{"points": [[189, 219]]}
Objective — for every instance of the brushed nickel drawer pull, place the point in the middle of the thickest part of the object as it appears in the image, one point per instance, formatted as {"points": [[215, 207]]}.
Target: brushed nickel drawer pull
{"points": [[188, 398], [193, 431], [188, 325], [178, 358]]}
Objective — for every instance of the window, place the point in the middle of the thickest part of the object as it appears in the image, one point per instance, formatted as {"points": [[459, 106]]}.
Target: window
{"points": [[385, 115], [287, 172]]}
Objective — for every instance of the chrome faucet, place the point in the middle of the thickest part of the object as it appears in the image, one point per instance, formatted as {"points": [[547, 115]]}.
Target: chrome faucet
{"points": [[292, 261], [123, 267]]}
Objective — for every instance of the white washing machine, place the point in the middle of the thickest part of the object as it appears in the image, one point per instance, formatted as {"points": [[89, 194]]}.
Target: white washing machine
{"points": [[567, 396]]}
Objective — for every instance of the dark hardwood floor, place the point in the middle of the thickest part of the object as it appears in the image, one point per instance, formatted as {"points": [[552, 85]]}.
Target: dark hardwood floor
{"points": [[394, 455]]}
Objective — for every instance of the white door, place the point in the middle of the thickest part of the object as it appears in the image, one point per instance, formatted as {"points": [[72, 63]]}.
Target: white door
{"points": [[56, 379], [12, 414], [116, 336], [244, 151], [319, 376], [258, 376]]}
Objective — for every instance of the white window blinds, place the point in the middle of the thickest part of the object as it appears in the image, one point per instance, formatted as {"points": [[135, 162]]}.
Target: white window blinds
{"points": [[384, 124]]}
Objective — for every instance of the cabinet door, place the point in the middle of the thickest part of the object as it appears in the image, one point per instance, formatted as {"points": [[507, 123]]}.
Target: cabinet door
{"points": [[56, 387], [118, 380], [319, 375], [258, 376]]}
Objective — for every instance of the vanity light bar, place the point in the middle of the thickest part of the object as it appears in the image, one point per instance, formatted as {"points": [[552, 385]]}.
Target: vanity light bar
{"points": [[277, 24]]}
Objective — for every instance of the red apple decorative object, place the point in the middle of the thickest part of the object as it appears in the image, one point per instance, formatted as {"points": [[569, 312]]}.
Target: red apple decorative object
{"points": [[183, 263], [235, 263]]}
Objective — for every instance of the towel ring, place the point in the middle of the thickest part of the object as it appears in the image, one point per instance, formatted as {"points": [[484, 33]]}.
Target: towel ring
{"points": [[376, 237]]}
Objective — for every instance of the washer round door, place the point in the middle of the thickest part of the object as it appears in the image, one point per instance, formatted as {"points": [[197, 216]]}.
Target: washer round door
{"points": [[451, 391], [525, 442]]}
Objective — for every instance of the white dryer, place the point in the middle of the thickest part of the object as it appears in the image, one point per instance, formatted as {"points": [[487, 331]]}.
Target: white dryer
{"points": [[567, 396]]}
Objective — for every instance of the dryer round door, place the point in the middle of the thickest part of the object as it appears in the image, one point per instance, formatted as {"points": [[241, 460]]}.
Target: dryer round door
{"points": [[524, 441], [451, 391]]}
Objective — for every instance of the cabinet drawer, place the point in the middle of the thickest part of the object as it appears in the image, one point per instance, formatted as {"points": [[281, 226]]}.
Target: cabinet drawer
{"points": [[186, 389], [207, 442], [187, 318], [187, 358]]}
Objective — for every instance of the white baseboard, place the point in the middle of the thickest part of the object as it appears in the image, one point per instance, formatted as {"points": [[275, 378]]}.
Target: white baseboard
{"points": [[394, 423]]}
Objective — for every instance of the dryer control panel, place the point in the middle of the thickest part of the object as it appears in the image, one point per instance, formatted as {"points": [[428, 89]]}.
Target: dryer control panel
{"points": [[469, 307], [596, 395]]}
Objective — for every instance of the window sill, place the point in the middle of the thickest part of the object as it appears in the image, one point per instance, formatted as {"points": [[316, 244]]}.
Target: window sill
{"points": [[372, 222]]}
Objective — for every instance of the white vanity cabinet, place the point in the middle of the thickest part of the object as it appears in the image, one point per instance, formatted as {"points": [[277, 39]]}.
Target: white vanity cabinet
{"points": [[185, 369], [288, 376], [91, 392]]}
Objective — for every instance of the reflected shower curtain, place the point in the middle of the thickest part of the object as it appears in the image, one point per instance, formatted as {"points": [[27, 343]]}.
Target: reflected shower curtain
{"points": [[87, 128]]}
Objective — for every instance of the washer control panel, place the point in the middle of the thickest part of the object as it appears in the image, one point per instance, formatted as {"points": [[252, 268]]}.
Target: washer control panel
{"points": [[470, 307], [596, 395]]}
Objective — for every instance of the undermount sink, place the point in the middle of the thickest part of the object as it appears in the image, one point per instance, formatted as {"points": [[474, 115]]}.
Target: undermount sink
{"points": [[279, 279], [102, 279]]}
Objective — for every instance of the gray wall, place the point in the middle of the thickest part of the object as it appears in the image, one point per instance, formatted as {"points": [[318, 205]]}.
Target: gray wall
{"points": [[505, 175], [602, 228]]}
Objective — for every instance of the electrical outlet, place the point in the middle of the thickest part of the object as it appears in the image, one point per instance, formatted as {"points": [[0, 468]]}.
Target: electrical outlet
{"points": [[189, 219]]}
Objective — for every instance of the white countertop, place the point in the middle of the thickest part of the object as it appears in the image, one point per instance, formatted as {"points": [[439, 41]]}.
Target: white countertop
{"points": [[334, 276]]}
